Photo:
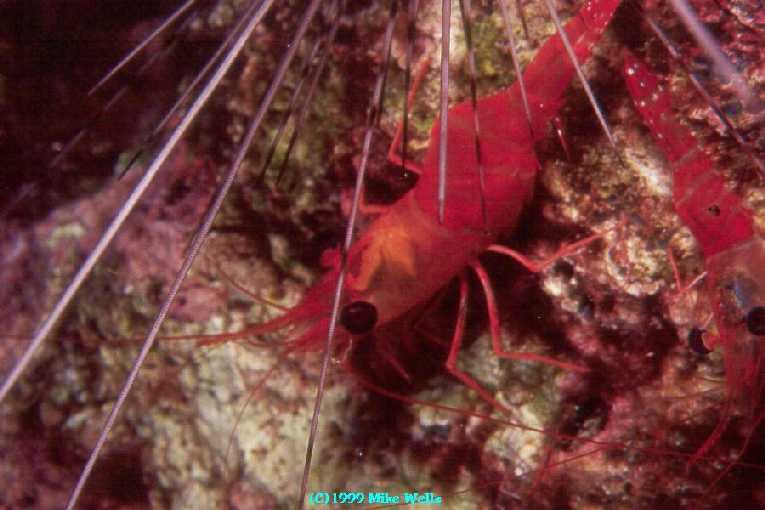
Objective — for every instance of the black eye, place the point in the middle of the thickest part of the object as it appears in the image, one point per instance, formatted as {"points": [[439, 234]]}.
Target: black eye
{"points": [[755, 320], [358, 317], [408, 179], [696, 342]]}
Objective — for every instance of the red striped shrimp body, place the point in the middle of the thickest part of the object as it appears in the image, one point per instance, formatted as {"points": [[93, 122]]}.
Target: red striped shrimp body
{"points": [[734, 252], [406, 254], [506, 144]]}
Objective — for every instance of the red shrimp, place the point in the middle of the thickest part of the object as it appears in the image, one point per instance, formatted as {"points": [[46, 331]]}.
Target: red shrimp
{"points": [[390, 268], [734, 252]]}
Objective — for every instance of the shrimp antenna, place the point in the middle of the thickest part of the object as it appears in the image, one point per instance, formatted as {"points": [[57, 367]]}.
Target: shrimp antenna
{"points": [[582, 79], [287, 114], [446, 15], [304, 109], [185, 95], [376, 112], [143, 44], [88, 124], [701, 89], [522, 17], [411, 33], [110, 104], [350, 227], [722, 64], [465, 12], [516, 63], [127, 207], [258, 11]]}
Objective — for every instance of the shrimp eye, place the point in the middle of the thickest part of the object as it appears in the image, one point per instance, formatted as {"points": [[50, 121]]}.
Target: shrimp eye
{"points": [[408, 179], [358, 317], [696, 342], [755, 320]]}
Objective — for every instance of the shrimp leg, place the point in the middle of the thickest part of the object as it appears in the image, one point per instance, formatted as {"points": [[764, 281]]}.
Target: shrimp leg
{"points": [[459, 332], [537, 266], [364, 206], [496, 338], [393, 156], [496, 335]]}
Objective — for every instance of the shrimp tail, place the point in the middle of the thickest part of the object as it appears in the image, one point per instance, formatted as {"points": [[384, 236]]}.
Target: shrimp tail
{"points": [[507, 152], [548, 76], [714, 214]]}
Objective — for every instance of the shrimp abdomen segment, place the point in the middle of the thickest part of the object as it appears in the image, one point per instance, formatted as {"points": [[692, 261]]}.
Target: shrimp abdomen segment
{"points": [[714, 214], [507, 151], [550, 74]]}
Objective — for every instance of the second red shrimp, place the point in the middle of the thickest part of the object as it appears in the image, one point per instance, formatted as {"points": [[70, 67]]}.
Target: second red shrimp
{"points": [[733, 250]]}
